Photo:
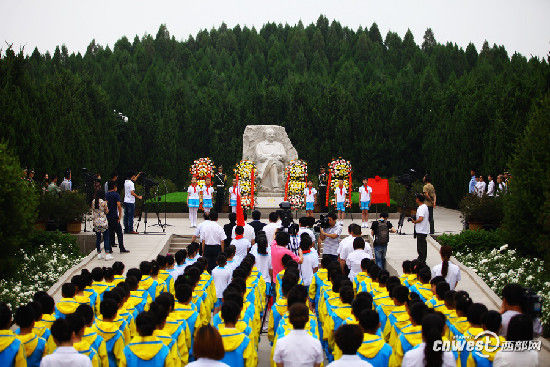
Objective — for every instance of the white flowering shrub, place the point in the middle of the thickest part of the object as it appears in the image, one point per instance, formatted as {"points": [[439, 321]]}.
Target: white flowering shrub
{"points": [[500, 266], [37, 272]]}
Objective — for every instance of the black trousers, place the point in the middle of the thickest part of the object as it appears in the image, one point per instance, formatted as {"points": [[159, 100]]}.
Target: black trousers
{"points": [[421, 247], [115, 227], [322, 198], [211, 253], [431, 219], [220, 195]]}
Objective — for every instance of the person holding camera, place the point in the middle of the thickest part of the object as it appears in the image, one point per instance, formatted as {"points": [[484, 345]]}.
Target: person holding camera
{"points": [[331, 237], [421, 227], [130, 202]]}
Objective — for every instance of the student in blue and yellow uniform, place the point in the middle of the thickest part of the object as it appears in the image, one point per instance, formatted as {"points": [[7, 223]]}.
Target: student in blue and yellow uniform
{"points": [[76, 324], [320, 278], [373, 349], [147, 283], [491, 321], [118, 270], [423, 287], [92, 337], [80, 295], [279, 307], [185, 310], [67, 304], [12, 350], [145, 349], [239, 349], [42, 327], [107, 328], [98, 283], [35, 347], [348, 339], [410, 335]]}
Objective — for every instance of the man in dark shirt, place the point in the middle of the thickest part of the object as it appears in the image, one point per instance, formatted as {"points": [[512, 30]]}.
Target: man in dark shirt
{"points": [[322, 190], [380, 230], [255, 223], [228, 228], [113, 217], [219, 181]]}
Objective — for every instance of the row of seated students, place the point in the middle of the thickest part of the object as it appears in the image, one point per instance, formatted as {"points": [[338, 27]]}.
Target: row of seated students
{"points": [[143, 318]]}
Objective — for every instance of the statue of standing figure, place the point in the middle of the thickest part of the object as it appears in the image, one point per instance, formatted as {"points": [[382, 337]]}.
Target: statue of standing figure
{"points": [[270, 148]]}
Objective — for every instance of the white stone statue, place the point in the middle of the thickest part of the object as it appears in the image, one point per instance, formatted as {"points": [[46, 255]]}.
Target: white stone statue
{"points": [[270, 148]]}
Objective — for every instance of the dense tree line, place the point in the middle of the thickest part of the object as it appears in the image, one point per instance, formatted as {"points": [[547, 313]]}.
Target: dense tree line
{"points": [[387, 104]]}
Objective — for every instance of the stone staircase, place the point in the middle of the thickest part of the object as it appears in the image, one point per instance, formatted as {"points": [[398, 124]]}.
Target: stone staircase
{"points": [[178, 242]]}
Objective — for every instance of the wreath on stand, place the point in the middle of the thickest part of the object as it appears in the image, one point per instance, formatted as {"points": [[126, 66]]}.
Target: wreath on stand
{"points": [[339, 169], [296, 181], [202, 169], [245, 174]]}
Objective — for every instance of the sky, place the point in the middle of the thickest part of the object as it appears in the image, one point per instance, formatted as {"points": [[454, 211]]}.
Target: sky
{"points": [[519, 25]]}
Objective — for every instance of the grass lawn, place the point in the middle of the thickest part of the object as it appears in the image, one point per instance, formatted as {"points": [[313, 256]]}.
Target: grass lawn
{"points": [[175, 197]]}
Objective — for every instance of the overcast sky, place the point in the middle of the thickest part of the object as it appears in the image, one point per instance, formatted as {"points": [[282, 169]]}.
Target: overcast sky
{"points": [[519, 25]]}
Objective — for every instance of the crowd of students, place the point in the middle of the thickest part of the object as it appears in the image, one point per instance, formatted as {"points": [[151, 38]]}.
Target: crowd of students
{"points": [[172, 312]]}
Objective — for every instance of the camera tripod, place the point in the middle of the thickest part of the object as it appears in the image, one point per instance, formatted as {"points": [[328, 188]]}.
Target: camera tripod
{"points": [[405, 200], [159, 223]]}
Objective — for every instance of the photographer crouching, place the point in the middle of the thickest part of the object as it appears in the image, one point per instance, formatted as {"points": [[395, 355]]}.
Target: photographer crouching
{"points": [[331, 236], [421, 227]]}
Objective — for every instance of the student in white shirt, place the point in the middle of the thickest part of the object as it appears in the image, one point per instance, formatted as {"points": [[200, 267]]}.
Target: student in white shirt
{"points": [[346, 245], [303, 222], [354, 259], [242, 245], [192, 254], [298, 348], [519, 330], [234, 190], [422, 227], [222, 277], [271, 227], [340, 193], [262, 253], [365, 191], [193, 201], [206, 192], [310, 198], [249, 232], [310, 263], [65, 355], [446, 269], [349, 338], [208, 348], [433, 327]]}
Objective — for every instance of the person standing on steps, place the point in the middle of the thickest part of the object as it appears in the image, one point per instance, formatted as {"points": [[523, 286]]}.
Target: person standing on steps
{"points": [[421, 227], [429, 193], [113, 216], [220, 179], [130, 202]]}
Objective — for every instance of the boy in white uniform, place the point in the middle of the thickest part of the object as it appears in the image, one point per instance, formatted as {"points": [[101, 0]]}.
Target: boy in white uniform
{"points": [[340, 194], [234, 190], [365, 192], [311, 197], [310, 263], [206, 193], [353, 261], [222, 277], [241, 244], [193, 201]]}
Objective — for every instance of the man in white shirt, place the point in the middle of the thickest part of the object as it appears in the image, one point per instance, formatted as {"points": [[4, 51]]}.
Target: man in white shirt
{"points": [[421, 227], [490, 186], [346, 245], [354, 259], [249, 232], [298, 348], [130, 202], [65, 355], [303, 222], [271, 228], [197, 234], [365, 191], [212, 236], [331, 237], [221, 276], [310, 195], [242, 244], [480, 186]]}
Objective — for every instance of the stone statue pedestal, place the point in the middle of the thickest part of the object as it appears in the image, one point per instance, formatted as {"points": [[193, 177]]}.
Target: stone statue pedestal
{"points": [[268, 201]]}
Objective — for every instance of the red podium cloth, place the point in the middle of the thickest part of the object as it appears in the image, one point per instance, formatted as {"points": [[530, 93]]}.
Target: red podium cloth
{"points": [[380, 190]]}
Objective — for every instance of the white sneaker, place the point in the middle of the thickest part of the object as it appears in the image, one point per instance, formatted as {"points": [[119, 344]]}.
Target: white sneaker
{"points": [[100, 255], [108, 257]]}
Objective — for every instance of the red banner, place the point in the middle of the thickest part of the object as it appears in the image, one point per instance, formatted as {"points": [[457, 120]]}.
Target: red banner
{"points": [[328, 187], [349, 189], [252, 177], [286, 186]]}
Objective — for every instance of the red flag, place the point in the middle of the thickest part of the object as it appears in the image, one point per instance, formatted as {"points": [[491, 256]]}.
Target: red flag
{"points": [[240, 212]]}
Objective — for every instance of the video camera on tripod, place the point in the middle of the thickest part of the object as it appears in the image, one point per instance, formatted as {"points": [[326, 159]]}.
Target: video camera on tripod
{"points": [[406, 179]]}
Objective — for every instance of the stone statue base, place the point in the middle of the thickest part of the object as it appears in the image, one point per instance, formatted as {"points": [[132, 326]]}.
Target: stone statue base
{"points": [[268, 201]]}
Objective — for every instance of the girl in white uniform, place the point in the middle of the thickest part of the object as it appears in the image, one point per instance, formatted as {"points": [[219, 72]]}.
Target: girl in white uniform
{"points": [[365, 192], [193, 201], [207, 192], [311, 196], [234, 190], [340, 194]]}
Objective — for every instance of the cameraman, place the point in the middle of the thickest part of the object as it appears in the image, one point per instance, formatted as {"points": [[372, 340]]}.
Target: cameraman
{"points": [[130, 202], [421, 227], [331, 237], [514, 299]]}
